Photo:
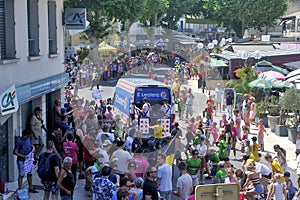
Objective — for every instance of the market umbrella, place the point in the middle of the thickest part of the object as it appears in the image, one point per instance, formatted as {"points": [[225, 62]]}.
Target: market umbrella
{"points": [[217, 63], [276, 75], [264, 66], [104, 47], [260, 83], [282, 84], [293, 73]]}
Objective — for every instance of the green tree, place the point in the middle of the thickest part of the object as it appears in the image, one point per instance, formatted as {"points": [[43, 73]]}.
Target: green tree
{"points": [[240, 15], [245, 76], [153, 14], [290, 100]]}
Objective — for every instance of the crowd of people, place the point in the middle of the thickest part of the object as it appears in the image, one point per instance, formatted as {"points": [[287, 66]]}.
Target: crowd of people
{"points": [[117, 163]]}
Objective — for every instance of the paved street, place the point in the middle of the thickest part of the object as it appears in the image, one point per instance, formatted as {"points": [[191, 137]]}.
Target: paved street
{"points": [[199, 104]]}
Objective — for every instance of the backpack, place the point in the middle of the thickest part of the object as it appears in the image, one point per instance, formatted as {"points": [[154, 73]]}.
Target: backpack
{"points": [[44, 168]]}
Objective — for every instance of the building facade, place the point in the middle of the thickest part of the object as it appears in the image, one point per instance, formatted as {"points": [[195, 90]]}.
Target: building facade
{"points": [[31, 69]]}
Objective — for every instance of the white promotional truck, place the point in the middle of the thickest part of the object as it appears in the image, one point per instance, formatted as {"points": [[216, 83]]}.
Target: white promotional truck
{"points": [[128, 100]]}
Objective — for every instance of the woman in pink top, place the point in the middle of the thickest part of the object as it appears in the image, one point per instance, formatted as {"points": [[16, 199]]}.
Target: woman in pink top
{"points": [[70, 149]]}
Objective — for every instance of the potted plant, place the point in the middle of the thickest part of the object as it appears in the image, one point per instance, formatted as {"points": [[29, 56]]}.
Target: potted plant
{"points": [[291, 102], [273, 112], [292, 128], [261, 112], [281, 128]]}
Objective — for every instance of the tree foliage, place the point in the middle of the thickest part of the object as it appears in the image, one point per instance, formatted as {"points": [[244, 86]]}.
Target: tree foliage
{"points": [[176, 9], [245, 76], [290, 100], [240, 15]]}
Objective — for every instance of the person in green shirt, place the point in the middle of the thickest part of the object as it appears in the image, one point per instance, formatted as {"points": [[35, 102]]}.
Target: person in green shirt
{"points": [[221, 174], [223, 151], [193, 165], [213, 161], [180, 104]]}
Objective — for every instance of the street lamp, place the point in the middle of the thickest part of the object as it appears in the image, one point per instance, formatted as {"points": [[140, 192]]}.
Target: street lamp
{"points": [[200, 45], [210, 46], [244, 55]]}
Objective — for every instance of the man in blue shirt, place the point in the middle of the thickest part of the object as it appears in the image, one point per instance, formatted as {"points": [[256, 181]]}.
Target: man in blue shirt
{"points": [[103, 188], [22, 148]]}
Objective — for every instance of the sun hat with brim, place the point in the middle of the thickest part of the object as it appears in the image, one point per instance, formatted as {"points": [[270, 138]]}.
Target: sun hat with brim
{"points": [[151, 169], [106, 143]]}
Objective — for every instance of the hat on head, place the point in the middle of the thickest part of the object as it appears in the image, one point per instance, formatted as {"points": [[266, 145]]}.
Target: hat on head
{"points": [[138, 182], [202, 136], [151, 143], [101, 101], [134, 122], [247, 141], [287, 174], [254, 138], [151, 169], [106, 143], [37, 109], [221, 164]]}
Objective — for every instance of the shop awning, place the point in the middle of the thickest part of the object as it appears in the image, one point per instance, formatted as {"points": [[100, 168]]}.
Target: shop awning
{"points": [[215, 63]]}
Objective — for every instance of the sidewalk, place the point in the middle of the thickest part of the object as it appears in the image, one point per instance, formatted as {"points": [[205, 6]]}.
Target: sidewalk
{"points": [[269, 140]]}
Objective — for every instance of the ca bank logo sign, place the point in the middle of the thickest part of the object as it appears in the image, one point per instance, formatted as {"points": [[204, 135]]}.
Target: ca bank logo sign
{"points": [[75, 18], [9, 101]]}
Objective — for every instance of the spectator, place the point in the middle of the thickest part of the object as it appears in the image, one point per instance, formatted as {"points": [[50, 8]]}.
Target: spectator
{"points": [[137, 190], [23, 148], [36, 126], [122, 194], [66, 180], [141, 163], [70, 149], [123, 158], [50, 185], [164, 177], [184, 183], [102, 187], [150, 191], [229, 104]]}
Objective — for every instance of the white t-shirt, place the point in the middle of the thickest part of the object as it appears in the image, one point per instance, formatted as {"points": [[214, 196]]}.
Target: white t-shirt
{"points": [[128, 143], [123, 159], [164, 173], [105, 156], [262, 168], [166, 109], [146, 108], [190, 98], [202, 149], [185, 183]]}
